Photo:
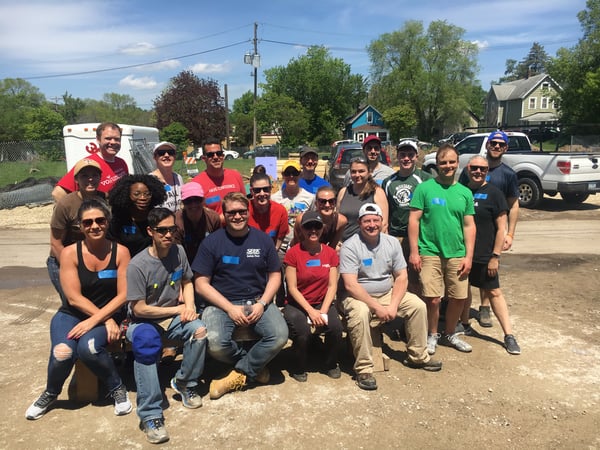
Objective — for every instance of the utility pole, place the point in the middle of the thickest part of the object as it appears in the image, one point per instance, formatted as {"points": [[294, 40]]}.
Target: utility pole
{"points": [[227, 134], [255, 82]]}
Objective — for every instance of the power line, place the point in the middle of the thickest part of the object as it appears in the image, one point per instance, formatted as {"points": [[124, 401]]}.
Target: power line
{"points": [[87, 72]]}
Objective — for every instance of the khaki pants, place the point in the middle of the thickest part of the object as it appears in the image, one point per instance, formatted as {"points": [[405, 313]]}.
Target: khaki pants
{"points": [[360, 320]]}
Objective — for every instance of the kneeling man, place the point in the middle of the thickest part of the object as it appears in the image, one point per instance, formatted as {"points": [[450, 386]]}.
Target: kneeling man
{"points": [[373, 291]]}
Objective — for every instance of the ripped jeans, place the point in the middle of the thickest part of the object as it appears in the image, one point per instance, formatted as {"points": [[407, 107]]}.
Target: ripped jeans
{"points": [[90, 348], [145, 363]]}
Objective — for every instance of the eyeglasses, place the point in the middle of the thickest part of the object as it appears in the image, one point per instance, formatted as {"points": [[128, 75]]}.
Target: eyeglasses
{"points": [[100, 221], [497, 144], [291, 173], [235, 212], [138, 194], [312, 226], [166, 151], [258, 190], [326, 201], [164, 230], [211, 155], [480, 168]]}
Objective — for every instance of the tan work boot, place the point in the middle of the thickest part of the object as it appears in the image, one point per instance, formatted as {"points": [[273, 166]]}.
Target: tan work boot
{"points": [[232, 382]]}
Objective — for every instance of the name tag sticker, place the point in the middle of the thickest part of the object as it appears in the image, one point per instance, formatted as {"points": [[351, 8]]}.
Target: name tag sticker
{"points": [[313, 263], [272, 233], [480, 196], [177, 275], [211, 200], [438, 201], [230, 259], [129, 229], [167, 188], [108, 273], [367, 262]]}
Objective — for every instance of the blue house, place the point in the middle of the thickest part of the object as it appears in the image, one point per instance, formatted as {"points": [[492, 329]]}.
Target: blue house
{"points": [[366, 122]]}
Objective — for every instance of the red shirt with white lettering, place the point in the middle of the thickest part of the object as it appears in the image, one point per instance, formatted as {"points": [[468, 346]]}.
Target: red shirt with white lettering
{"points": [[111, 172], [215, 189]]}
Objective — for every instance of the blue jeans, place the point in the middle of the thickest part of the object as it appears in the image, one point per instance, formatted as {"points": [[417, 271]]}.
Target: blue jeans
{"points": [[149, 393], [90, 348], [271, 328], [54, 274]]}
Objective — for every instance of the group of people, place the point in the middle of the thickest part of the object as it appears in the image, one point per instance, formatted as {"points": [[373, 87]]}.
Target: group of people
{"points": [[195, 261]]}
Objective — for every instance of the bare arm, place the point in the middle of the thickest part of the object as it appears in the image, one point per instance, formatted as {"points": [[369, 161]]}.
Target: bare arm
{"points": [[469, 231], [58, 193], [494, 263], [355, 289], [341, 224], [56, 241], [414, 219], [381, 201], [513, 216]]}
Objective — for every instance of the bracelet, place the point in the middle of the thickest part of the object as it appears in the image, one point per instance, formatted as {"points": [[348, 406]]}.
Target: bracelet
{"points": [[263, 303]]}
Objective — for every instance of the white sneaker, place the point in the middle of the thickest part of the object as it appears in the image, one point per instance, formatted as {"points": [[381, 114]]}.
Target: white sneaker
{"points": [[40, 406], [122, 404], [432, 341]]}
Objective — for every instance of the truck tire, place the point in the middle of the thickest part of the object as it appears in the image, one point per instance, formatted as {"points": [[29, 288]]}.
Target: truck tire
{"points": [[574, 197], [229, 157], [529, 193]]}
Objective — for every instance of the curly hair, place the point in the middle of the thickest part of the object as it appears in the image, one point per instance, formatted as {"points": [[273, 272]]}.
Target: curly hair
{"points": [[119, 198]]}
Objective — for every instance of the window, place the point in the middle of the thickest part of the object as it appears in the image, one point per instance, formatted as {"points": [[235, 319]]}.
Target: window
{"points": [[532, 102], [369, 116], [545, 85], [544, 103]]}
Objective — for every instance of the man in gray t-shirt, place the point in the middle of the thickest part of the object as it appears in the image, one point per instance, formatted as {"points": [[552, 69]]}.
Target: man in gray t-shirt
{"points": [[373, 291]]}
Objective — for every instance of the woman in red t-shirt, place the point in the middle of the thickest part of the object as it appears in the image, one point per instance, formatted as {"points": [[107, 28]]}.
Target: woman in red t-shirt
{"points": [[311, 272]]}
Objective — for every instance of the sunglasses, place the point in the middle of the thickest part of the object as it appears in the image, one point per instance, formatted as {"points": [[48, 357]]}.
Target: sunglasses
{"points": [[480, 168], [326, 201], [235, 212], [100, 221], [497, 144], [211, 155], [375, 147], [291, 173], [166, 151], [258, 190], [192, 200], [310, 226], [164, 230]]}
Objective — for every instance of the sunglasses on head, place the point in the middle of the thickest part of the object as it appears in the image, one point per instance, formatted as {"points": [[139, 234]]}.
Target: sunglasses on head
{"points": [[100, 221], [165, 151], [164, 230], [219, 153], [312, 226], [480, 168], [258, 190], [326, 201], [291, 173]]}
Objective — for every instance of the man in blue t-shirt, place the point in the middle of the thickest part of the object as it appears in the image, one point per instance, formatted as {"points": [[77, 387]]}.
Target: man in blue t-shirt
{"points": [[309, 180], [237, 272]]}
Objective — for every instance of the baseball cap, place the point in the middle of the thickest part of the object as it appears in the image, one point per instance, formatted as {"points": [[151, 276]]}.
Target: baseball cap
{"points": [[307, 151], [291, 163], [498, 136], [371, 139], [191, 189], [311, 216], [369, 208], [164, 144], [83, 163], [407, 143]]}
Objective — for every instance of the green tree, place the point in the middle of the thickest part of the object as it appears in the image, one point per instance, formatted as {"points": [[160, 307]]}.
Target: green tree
{"points": [[400, 120], [176, 133], [196, 103], [431, 71], [324, 86], [242, 119], [282, 115], [533, 64], [17, 98], [45, 124], [71, 108], [577, 71]]}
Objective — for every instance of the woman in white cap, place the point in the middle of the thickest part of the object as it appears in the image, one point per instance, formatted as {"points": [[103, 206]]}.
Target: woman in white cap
{"points": [[311, 272], [164, 157]]}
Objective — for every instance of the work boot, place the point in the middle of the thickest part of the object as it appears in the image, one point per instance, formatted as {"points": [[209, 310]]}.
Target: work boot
{"points": [[232, 382]]}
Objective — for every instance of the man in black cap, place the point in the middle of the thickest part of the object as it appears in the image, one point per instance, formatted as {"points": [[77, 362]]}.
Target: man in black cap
{"points": [[309, 180]]}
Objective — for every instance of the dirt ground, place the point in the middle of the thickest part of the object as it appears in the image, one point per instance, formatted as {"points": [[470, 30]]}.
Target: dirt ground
{"points": [[547, 397]]}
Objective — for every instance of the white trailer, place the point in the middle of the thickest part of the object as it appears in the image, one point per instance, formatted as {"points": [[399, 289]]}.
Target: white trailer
{"points": [[136, 145]]}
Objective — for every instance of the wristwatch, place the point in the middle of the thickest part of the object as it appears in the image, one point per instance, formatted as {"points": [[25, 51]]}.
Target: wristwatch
{"points": [[496, 255], [262, 302]]}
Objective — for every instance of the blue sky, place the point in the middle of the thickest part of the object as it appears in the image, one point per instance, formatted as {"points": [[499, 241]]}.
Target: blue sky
{"points": [[40, 39]]}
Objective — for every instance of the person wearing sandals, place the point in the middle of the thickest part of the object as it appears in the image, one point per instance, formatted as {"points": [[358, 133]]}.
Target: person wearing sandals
{"points": [[93, 278]]}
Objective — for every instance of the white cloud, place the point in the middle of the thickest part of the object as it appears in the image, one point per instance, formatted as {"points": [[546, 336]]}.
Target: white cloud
{"points": [[138, 83], [141, 48], [210, 68], [163, 65], [481, 45]]}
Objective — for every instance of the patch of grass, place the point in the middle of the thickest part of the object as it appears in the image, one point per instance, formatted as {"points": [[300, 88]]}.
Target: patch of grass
{"points": [[15, 172]]}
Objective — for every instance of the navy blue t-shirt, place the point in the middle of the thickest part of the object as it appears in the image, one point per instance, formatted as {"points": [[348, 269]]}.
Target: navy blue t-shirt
{"points": [[238, 267]]}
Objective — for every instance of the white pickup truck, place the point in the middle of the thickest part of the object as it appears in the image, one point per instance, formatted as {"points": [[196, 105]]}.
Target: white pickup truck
{"points": [[572, 175]]}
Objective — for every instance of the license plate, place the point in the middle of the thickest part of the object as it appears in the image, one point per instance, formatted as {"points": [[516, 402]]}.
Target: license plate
{"points": [[592, 186]]}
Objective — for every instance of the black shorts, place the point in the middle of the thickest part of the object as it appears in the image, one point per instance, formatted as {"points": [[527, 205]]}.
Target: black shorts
{"points": [[479, 277]]}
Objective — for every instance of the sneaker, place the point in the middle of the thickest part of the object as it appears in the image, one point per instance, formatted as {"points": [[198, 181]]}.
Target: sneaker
{"points": [[469, 331], [189, 396], [155, 430], [334, 373], [452, 340], [464, 328], [232, 382], [431, 366], [40, 406], [460, 328], [511, 345], [366, 381], [263, 376], [432, 341], [300, 377], [122, 404], [485, 318]]}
